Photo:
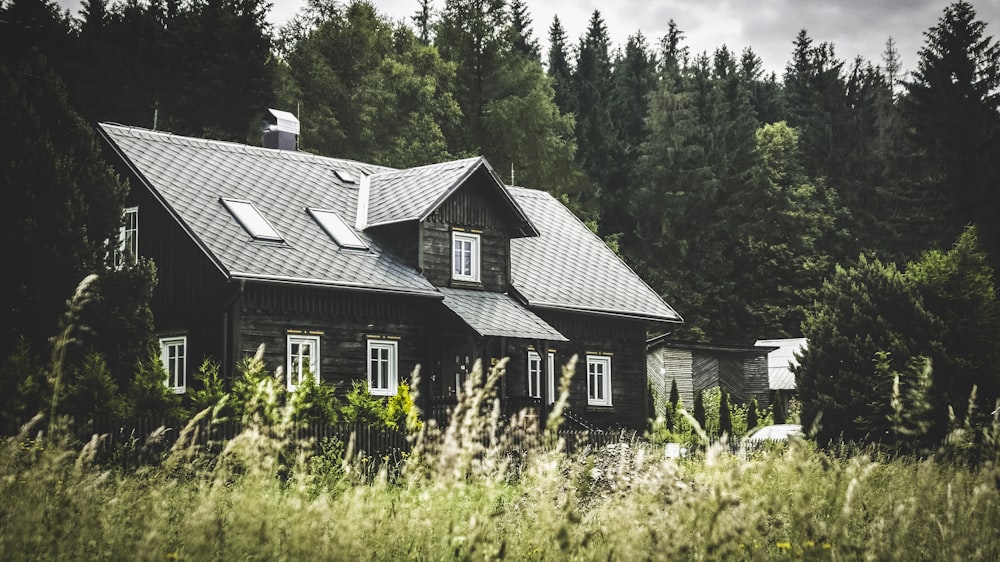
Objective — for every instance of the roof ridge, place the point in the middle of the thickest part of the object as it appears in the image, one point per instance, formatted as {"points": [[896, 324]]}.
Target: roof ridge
{"points": [[233, 146]]}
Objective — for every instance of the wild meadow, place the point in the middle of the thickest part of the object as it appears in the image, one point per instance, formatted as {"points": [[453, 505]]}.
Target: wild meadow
{"points": [[482, 488]]}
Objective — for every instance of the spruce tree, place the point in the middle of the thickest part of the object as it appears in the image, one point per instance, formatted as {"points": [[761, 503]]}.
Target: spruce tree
{"points": [[752, 415], [559, 68], [699, 409], [675, 395], [725, 415]]}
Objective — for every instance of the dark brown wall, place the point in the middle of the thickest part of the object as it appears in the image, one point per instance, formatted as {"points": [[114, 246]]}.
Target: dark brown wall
{"points": [[343, 319], [625, 340], [191, 293], [475, 207]]}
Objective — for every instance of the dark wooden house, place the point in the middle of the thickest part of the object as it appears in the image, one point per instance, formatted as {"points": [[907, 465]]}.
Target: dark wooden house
{"points": [[348, 271], [739, 370]]}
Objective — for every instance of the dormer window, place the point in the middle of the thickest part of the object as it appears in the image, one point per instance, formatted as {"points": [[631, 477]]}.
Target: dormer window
{"points": [[251, 220], [337, 229], [465, 256]]}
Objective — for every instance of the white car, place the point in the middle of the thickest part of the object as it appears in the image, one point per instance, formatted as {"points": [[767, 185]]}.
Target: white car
{"points": [[778, 433]]}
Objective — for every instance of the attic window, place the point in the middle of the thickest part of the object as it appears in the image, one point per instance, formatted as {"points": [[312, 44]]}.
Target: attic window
{"points": [[346, 177], [251, 219], [342, 234]]}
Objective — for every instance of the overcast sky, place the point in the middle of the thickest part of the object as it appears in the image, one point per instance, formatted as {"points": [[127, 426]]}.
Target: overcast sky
{"points": [[855, 27]]}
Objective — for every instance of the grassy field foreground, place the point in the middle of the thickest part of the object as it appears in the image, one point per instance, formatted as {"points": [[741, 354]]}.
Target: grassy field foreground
{"points": [[464, 494]]}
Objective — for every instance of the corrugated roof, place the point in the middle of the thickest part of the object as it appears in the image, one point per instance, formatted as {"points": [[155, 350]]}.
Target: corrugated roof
{"points": [[191, 175], [568, 267], [781, 361], [496, 314]]}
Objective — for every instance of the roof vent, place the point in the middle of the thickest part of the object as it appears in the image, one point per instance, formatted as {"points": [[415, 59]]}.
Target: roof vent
{"points": [[281, 130]]}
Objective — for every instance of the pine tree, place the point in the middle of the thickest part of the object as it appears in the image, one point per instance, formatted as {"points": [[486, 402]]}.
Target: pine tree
{"points": [[559, 69], [752, 415], [422, 20], [524, 40], [699, 409], [725, 415], [597, 146], [953, 110], [675, 396]]}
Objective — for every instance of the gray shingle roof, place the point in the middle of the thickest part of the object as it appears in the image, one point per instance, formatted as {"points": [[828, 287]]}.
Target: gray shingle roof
{"points": [[496, 314], [403, 195], [565, 267], [568, 267], [191, 175]]}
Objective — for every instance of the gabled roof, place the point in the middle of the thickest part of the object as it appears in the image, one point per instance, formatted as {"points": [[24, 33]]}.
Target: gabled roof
{"points": [[665, 341], [414, 193], [496, 314], [782, 360], [564, 267], [191, 175], [568, 267]]}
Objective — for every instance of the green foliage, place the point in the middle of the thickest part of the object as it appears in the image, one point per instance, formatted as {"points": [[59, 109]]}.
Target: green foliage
{"points": [[24, 388], [699, 408], [873, 325], [752, 419], [779, 408], [93, 394], [725, 416], [313, 402], [675, 395], [400, 411], [363, 408], [209, 388], [146, 394]]}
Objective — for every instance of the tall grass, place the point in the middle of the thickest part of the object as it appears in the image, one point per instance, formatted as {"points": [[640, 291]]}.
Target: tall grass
{"points": [[472, 491]]}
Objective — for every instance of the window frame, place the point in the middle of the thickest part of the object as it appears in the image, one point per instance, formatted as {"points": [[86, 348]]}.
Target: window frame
{"points": [[534, 356], [129, 225], [474, 242], [175, 367], [392, 378], [252, 220], [314, 358], [342, 234], [599, 395]]}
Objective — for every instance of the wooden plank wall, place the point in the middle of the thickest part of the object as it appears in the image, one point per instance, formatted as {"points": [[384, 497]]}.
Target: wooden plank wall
{"points": [[666, 365], [755, 375], [625, 340]]}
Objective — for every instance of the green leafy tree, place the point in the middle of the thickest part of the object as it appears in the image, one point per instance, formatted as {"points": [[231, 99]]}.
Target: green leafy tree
{"points": [[873, 322]]}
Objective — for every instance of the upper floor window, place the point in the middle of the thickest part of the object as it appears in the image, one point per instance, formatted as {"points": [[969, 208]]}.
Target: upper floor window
{"points": [[383, 377], [598, 380], [535, 375], [173, 354], [465, 256], [252, 220], [128, 237], [303, 359]]}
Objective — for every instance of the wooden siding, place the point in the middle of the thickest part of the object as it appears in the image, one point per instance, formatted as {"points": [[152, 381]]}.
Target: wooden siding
{"points": [[665, 366], [625, 341], [755, 375], [191, 294], [476, 207], [343, 320]]}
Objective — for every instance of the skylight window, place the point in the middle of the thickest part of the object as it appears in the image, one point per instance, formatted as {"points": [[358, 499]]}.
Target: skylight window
{"points": [[342, 234], [251, 219], [346, 177]]}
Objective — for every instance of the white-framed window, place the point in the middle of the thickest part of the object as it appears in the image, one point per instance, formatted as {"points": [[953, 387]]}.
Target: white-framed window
{"points": [[598, 380], [464, 256], [383, 376], [535, 375], [173, 354], [251, 219], [303, 359], [128, 237]]}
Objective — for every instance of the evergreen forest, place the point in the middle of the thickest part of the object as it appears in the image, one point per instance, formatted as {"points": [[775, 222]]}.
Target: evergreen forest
{"points": [[849, 201]]}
